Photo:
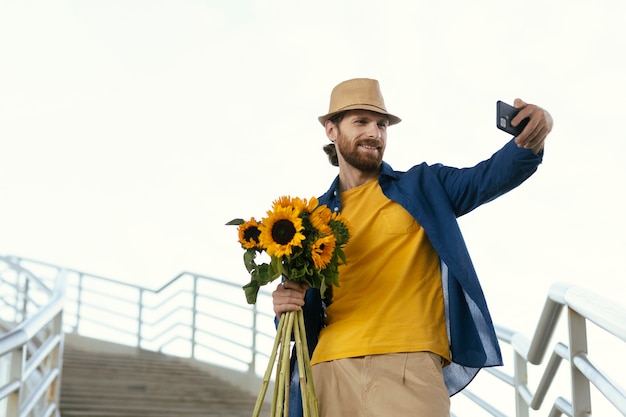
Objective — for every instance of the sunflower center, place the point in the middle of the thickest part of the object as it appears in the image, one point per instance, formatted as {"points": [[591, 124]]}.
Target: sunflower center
{"points": [[252, 233], [283, 231]]}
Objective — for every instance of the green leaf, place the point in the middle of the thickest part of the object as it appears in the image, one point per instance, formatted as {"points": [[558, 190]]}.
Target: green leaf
{"points": [[342, 256], [277, 265], [251, 289], [248, 259], [235, 222], [323, 288], [266, 274]]}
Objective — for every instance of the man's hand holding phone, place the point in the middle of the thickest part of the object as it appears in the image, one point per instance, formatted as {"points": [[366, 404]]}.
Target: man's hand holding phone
{"points": [[530, 124]]}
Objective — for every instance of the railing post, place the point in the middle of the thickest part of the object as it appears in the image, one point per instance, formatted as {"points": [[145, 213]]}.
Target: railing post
{"points": [[521, 381], [56, 357], [140, 318], [79, 295], [194, 314], [252, 368], [16, 369], [581, 395], [57, 361], [25, 300]]}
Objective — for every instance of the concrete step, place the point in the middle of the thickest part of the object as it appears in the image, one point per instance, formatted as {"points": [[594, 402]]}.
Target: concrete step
{"points": [[144, 384]]}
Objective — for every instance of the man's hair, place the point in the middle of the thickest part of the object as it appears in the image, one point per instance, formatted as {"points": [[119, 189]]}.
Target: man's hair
{"points": [[330, 148], [331, 151]]}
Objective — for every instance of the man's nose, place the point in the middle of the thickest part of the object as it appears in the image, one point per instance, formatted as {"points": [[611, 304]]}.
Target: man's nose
{"points": [[374, 131]]}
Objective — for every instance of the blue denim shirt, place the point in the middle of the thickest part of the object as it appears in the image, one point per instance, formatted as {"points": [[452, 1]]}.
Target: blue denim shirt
{"points": [[436, 195]]}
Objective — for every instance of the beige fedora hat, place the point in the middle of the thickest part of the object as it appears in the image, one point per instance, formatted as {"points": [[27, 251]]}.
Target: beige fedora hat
{"points": [[357, 94]]}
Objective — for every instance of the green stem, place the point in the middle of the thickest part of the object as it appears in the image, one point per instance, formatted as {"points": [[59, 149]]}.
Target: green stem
{"points": [[300, 358], [282, 323], [268, 373], [290, 323], [283, 367], [307, 366]]}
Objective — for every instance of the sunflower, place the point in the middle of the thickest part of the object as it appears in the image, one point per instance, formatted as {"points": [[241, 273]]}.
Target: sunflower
{"points": [[303, 239], [299, 205], [341, 228], [322, 251], [320, 219], [310, 205], [249, 234], [284, 201], [338, 217], [281, 231]]}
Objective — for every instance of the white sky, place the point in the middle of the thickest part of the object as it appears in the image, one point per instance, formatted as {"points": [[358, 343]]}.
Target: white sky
{"points": [[131, 131]]}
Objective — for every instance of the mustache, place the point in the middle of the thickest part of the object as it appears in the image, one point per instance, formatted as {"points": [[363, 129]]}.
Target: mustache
{"points": [[370, 142]]}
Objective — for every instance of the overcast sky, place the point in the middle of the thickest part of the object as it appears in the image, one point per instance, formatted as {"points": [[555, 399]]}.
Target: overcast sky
{"points": [[131, 131]]}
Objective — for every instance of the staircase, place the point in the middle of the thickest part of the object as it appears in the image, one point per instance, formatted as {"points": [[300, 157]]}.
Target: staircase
{"points": [[145, 384]]}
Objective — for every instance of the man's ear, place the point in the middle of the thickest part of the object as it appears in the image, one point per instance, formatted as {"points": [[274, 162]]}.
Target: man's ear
{"points": [[331, 130]]}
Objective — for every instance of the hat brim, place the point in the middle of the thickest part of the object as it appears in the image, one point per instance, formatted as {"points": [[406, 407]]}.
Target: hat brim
{"points": [[392, 118]]}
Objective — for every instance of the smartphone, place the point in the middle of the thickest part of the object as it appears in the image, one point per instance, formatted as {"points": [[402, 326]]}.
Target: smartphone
{"points": [[504, 114]]}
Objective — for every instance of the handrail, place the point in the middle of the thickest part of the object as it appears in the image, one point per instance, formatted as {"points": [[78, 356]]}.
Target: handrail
{"points": [[207, 319], [582, 306], [179, 317], [31, 353]]}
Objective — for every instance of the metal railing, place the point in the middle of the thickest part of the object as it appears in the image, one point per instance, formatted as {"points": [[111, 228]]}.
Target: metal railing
{"points": [[208, 320], [582, 306], [191, 316], [31, 342]]}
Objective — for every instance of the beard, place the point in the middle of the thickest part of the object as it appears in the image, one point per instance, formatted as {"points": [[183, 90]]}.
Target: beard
{"points": [[366, 162]]}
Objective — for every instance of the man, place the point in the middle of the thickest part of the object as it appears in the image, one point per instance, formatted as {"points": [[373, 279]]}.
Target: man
{"points": [[408, 325]]}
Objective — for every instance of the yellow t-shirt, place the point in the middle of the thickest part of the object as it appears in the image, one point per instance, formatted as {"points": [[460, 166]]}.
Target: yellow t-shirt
{"points": [[390, 297]]}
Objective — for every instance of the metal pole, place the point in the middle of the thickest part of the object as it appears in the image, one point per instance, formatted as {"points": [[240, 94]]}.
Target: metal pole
{"points": [[78, 301], [140, 318], [57, 361], [521, 381], [25, 299], [252, 368], [194, 313], [581, 395]]}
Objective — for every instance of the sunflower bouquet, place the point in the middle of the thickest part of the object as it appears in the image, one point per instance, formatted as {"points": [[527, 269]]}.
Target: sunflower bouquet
{"points": [[304, 242]]}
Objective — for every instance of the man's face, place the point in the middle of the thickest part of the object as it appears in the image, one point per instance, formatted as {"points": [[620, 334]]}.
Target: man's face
{"points": [[360, 138]]}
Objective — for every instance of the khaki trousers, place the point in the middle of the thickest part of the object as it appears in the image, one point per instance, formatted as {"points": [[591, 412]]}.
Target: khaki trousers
{"points": [[397, 384]]}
